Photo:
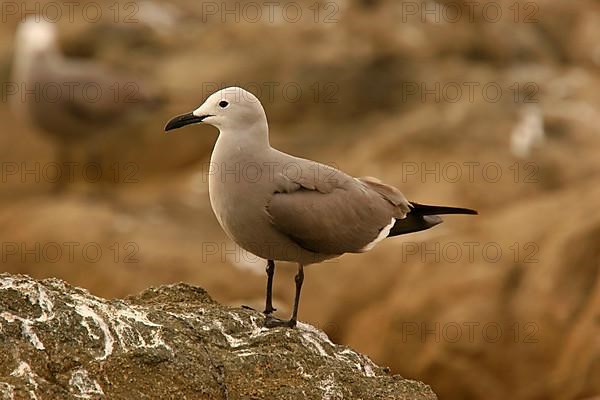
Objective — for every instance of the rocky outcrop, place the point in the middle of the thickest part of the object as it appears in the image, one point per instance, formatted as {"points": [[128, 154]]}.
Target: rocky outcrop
{"points": [[60, 342]]}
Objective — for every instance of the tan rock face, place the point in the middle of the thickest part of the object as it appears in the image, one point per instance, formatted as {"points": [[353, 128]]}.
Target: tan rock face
{"points": [[58, 341], [464, 326]]}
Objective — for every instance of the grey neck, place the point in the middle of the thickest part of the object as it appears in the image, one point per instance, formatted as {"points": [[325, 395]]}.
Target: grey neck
{"points": [[249, 140]]}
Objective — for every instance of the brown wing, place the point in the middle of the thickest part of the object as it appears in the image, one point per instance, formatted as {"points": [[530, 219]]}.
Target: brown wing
{"points": [[80, 98], [102, 96], [341, 215]]}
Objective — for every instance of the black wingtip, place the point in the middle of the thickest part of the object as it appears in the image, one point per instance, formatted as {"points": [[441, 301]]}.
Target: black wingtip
{"points": [[423, 209], [468, 211]]}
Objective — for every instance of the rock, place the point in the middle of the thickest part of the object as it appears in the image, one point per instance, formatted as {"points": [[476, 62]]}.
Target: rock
{"points": [[59, 341]]}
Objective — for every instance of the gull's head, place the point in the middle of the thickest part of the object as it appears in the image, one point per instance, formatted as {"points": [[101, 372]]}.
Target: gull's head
{"points": [[228, 109], [36, 36]]}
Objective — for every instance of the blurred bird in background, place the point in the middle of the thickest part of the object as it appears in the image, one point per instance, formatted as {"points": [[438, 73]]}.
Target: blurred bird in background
{"points": [[76, 103]]}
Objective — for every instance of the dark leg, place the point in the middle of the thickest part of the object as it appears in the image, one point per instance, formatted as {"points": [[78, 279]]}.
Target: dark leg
{"points": [[97, 185], [271, 322], [270, 272], [299, 280]]}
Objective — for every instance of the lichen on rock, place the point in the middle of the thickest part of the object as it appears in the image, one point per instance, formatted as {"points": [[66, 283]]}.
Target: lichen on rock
{"points": [[60, 342]]}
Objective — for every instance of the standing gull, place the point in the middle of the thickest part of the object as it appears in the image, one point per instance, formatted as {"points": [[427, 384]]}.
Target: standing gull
{"points": [[285, 208]]}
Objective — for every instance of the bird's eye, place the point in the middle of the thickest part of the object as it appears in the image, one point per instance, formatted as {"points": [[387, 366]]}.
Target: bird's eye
{"points": [[223, 104]]}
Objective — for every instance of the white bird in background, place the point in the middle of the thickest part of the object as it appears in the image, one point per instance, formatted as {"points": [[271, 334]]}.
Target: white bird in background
{"points": [[528, 133], [75, 103], [161, 17]]}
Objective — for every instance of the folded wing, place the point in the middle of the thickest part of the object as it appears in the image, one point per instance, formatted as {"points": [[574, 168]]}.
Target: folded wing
{"points": [[333, 213]]}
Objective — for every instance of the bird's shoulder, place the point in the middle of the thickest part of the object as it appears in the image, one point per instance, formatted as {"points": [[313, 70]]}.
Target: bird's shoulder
{"points": [[296, 174], [305, 175]]}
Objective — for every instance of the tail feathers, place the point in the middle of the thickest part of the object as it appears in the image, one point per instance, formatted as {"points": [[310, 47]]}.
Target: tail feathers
{"points": [[423, 217]]}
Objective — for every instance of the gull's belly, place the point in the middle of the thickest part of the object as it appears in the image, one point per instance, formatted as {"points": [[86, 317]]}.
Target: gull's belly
{"points": [[239, 220], [243, 217]]}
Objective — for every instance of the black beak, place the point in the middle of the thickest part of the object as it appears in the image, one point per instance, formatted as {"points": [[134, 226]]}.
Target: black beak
{"points": [[183, 120]]}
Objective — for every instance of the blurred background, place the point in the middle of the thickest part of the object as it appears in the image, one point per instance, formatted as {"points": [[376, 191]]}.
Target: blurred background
{"points": [[492, 105]]}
